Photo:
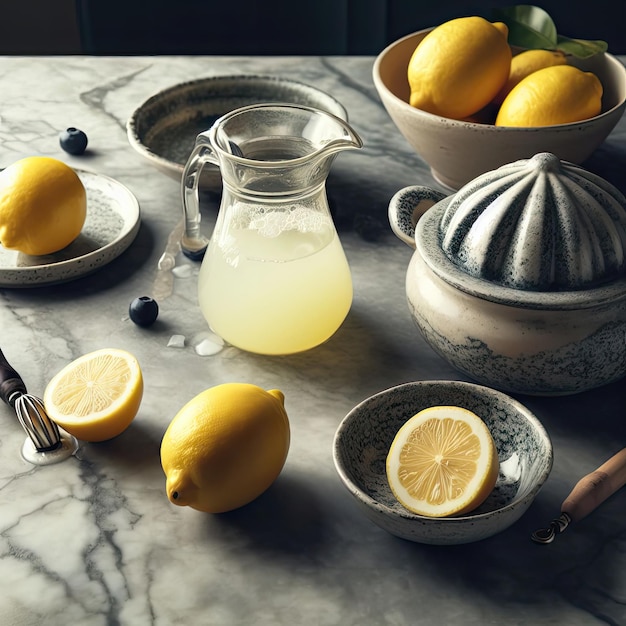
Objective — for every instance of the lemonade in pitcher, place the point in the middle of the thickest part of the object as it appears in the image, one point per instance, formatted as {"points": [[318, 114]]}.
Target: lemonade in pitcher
{"points": [[275, 282], [274, 278]]}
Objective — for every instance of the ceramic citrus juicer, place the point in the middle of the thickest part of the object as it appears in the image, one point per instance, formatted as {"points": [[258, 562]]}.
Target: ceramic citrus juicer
{"points": [[519, 278]]}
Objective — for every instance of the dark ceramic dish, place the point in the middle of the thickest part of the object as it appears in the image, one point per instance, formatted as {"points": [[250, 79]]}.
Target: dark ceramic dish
{"points": [[164, 128]]}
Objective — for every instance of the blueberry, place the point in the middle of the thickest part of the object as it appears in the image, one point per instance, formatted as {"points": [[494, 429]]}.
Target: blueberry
{"points": [[143, 311], [73, 141]]}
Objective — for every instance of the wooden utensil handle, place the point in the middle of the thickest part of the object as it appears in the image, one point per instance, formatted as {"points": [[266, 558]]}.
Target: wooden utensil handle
{"points": [[594, 488], [10, 381]]}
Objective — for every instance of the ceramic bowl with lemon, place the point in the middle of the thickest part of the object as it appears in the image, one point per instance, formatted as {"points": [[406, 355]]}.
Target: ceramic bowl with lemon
{"points": [[363, 446], [457, 149]]}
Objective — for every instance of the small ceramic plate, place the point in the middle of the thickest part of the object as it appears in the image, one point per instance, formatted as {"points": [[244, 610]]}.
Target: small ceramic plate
{"points": [[111, 226], [164, 128]]}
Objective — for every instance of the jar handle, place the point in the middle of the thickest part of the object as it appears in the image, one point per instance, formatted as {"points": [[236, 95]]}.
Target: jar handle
{"points": [[407, 206], [193, 242]]}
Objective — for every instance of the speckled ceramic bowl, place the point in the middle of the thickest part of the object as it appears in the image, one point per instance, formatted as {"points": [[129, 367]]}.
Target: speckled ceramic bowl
{"points": [[164, 128], [363, 439], [459, 151], [519, 279]]}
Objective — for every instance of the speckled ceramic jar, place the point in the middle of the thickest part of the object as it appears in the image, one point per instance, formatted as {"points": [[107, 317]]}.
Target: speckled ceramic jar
{"points": [[519, 279]]}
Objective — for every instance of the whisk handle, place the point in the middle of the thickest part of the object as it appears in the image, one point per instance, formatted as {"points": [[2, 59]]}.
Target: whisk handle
{"points": [[10, 382]]}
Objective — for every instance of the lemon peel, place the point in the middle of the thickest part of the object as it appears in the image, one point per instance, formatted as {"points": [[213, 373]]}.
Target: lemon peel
{"points": [[560, 94], [459, 67], [43, 205], [225, 447], [525, 63]]}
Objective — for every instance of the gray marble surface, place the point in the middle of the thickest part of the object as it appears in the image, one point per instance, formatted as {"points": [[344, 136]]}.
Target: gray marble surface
{"points": [[94, 540]]}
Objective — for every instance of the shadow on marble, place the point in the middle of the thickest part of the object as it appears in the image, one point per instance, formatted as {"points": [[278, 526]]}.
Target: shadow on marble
{"points": [[494, 570], [608, 162], [364, 356], [110, 276], [302, 528], [597, 586], [586, 415], [138, 447]]}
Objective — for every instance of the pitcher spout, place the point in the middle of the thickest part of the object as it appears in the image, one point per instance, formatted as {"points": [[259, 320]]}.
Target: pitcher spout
{"points": [[349, 140]]}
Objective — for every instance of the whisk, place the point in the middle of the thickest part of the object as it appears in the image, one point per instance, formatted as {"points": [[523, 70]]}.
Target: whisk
{"points": [[45, 443]]}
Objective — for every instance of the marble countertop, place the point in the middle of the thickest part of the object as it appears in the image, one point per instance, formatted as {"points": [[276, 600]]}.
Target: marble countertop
{"points": [[94, 540]]}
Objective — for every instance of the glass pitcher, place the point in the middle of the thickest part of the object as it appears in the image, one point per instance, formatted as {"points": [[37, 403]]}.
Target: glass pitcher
{"points": [[274, 278]]}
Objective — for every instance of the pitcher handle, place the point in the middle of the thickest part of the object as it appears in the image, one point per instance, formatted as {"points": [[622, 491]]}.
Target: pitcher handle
{"points": [[193, 242], [407, 206]]}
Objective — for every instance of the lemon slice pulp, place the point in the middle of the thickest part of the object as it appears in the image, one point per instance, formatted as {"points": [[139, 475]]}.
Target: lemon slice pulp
{"points": [[442, 462], [97, 396]]}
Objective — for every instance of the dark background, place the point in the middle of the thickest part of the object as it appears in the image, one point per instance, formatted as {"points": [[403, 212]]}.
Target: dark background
{"points": [[318, 27]]}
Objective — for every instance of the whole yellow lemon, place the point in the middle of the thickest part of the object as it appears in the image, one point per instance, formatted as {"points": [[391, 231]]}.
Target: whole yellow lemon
{"points": [[524, 64], [459, 67], [225, 447], [560, 94], [43, 205]]}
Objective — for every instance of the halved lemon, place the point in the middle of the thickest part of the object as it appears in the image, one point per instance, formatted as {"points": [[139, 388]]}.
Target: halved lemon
{"points": [[443, 461], [97, 396]]}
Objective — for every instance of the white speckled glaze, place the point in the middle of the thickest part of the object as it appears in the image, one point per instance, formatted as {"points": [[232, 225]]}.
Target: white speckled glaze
{"points": [[541, 341], [538, 224], [363, 439], [458, 151]]}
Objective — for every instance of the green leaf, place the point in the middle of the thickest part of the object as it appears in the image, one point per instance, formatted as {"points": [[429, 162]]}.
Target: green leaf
{"points": [[581, 48], [531, 27], [528, 24], [523, 37]]}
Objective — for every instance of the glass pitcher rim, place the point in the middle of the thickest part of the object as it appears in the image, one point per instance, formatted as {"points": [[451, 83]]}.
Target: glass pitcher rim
{"points": [[211, 134]]}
